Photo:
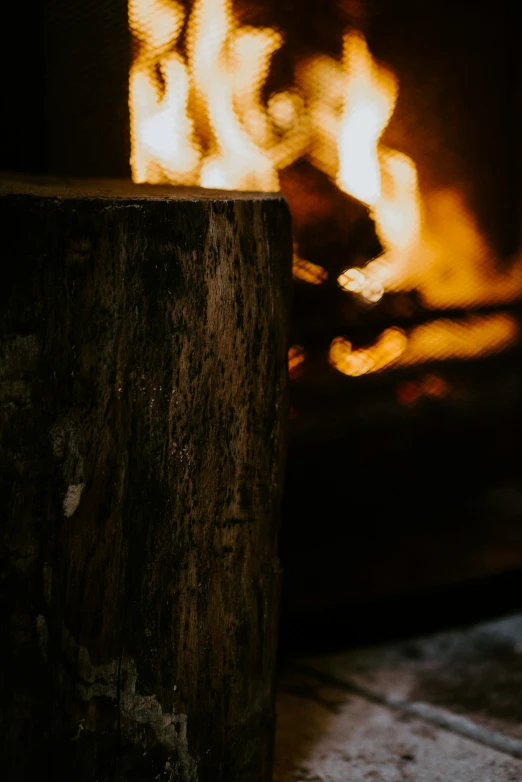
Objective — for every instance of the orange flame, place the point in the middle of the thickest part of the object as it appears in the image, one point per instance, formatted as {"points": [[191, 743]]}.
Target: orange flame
{"points": [[457, 268], [370, 96], [228, 65], [384, 179], [198, 117], [163, 146], [445, 257]]}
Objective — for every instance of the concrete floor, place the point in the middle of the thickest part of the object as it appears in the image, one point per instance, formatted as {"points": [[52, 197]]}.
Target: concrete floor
{"points": [[446, 707]]}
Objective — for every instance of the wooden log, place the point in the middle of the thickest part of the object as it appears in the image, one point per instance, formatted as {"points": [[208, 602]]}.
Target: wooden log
{"points": [[331, 228], [143, 403]]}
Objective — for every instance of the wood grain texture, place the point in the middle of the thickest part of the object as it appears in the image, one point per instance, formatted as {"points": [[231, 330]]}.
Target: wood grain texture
{"points": [[143, 403]]}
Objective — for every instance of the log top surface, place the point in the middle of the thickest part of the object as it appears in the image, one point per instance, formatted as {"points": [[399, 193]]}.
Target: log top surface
{"points": [[117, 189]]}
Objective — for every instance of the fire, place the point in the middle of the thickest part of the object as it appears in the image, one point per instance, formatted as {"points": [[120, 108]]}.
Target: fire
{"points": [[471, 337], [222, 73], [306, 271], [370, 96], [163, 144], [384, 179], [197, 114], [296, 356], [432, 386], [322, 80], [440, 251], [200, 115], [474, 336], [386, 351], [458, 268], [228, 65]]}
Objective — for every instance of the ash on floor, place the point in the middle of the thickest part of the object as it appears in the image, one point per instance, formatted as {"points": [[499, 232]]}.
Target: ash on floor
{"points": [[446, 707]]}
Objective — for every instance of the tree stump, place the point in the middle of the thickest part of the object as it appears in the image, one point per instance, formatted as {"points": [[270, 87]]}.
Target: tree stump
{"points": [[143, 403]]}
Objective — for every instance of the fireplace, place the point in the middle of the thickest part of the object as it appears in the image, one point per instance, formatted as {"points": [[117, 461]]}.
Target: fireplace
{"points": [[393, 129]]}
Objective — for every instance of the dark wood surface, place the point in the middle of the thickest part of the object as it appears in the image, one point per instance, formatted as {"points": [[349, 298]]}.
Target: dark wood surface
{"points": [[143, 403]]}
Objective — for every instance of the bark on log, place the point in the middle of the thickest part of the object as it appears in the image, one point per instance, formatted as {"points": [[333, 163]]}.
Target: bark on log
{"points": [[142, 401]]}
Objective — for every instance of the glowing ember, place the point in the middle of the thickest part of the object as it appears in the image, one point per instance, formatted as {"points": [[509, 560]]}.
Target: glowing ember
{"points": [[368, 282], [308, 272], [435, 386], [475, 336], [296, 356], [388, 348], [409, 392]]}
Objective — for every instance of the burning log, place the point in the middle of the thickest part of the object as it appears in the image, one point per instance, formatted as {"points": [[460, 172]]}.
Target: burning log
{"points": [[332, 229], [143, 386]]}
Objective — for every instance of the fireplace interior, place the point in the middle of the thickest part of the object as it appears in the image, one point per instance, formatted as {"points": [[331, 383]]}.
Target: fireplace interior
{"points": [[393, 129]]}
